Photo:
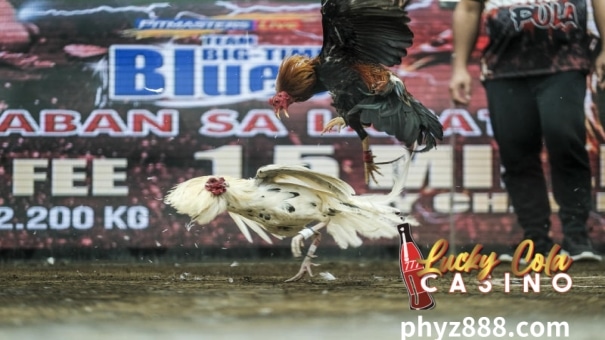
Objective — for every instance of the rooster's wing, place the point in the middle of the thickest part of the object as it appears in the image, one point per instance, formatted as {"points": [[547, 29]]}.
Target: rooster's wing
{"points": [[300, 175], [365, 31]]}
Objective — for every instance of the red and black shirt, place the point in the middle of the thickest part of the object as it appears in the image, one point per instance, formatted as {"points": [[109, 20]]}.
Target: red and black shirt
{"points": [[535, 37]]}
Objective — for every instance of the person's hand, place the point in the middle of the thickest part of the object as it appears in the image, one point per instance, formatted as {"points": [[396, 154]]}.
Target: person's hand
{"points": [[460, 86], [600, 70]]}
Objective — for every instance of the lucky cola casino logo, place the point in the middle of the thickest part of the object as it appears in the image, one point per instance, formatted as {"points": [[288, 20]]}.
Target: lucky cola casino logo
{"points": [[416, 271]]}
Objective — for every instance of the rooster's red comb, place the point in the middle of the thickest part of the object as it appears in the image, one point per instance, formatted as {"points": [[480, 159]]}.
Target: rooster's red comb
{"points": [[216, 186]]}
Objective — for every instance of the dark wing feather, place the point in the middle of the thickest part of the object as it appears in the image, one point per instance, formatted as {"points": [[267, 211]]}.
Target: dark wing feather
{"points": [[368, 31], [401, 115]]}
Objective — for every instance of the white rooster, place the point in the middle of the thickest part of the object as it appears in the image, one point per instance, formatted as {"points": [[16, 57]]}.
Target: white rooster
{"points": [[284, 199]]}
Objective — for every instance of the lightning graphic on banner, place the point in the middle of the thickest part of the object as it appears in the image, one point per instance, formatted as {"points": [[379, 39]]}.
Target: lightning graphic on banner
{"points": [[35, 10]]}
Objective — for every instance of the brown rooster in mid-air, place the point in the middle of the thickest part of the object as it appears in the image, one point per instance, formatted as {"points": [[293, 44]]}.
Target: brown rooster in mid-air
{"points": [[361, 38]]}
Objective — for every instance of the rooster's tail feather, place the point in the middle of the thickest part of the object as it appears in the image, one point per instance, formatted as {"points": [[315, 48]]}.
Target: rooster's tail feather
{"points": [[346, 228], [366, 217], [396, 112], [430, 127], [400, 172], [243, 224], [372, 216]]}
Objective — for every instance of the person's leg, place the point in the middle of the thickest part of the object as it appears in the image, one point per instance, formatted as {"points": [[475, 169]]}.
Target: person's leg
{"points": [[516, 123], [561, 102]]}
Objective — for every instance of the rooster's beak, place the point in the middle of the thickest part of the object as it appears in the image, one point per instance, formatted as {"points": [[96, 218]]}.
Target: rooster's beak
{"points": [[280, 104], [278, 112]]}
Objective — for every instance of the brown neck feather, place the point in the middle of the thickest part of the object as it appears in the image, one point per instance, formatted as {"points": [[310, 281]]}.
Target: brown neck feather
{"points": [[297, 77]]}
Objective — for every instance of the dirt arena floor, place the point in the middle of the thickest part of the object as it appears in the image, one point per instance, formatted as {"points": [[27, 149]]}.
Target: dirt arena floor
{"points": [[46, 299]]}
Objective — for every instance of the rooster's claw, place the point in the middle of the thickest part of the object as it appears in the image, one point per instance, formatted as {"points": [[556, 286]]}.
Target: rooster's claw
{"points": [[304, 268]]}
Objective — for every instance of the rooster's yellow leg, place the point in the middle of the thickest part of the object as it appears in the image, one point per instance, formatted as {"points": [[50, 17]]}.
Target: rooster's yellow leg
{"points": [[338, 121]]}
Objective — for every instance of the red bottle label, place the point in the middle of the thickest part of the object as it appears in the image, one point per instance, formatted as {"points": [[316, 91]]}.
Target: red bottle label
{"points": [[409, 253]]}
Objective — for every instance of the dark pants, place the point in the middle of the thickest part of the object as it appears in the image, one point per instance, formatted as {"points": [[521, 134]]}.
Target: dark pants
{"points": [[525, 113]]}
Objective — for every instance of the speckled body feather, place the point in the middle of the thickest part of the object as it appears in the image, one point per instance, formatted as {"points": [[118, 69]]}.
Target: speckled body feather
{"points": [[283, 199]]}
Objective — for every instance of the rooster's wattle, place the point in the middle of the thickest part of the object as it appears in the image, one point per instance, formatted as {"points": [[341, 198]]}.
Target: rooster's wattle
{"points": [[361, 38], [284, 199]]}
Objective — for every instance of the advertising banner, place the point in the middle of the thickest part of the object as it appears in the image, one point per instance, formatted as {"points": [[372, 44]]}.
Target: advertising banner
{"points": [[105, 105]]}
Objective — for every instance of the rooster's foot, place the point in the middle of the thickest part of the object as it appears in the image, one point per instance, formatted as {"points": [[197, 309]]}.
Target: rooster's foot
{"points": [[370, 170], [304, 268], [370, 167], [338, 122], [306, 265]]}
